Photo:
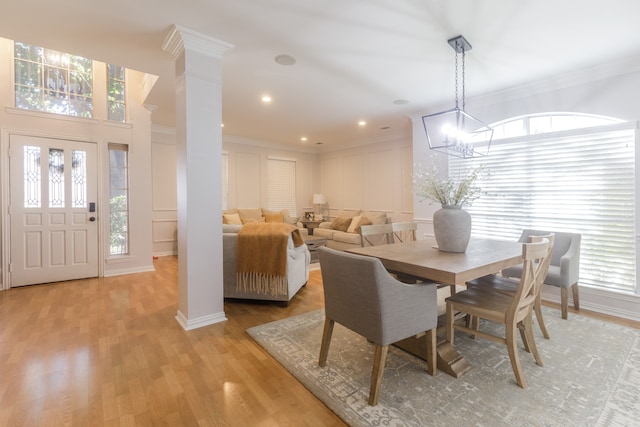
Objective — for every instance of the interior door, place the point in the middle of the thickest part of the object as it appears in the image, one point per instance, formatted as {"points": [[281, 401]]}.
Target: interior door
{"points": [[53, 212]]}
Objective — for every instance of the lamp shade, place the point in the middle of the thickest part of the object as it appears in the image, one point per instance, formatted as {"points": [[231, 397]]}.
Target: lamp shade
{"points": [[319, 199]]}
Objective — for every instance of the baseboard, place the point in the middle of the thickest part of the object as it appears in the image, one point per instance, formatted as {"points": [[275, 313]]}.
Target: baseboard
{"points": [[612, 303], [122, 271], [190, 324], [166, 253]]}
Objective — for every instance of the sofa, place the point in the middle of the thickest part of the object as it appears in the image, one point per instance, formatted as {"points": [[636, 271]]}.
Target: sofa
{"points": [[297, 274], [244, 216], [343, 232]]}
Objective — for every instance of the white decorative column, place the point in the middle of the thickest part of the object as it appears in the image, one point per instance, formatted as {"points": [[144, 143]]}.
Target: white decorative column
{"points": [[198, 62]]}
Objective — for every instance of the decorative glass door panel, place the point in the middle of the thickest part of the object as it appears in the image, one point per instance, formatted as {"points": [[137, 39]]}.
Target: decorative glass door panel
{"points": [[54, 237]]}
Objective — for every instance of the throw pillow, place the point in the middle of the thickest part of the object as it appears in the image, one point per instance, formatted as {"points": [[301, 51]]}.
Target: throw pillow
{"points": [[276, 217], [250, 213], [231, 219], [248, 220], [355, 221], [376, 217], [341, 223], [363, 221]]}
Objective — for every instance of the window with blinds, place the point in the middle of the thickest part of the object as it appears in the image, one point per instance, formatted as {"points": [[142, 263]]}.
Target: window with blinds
{"points": [[580, 180], [281, 186]]}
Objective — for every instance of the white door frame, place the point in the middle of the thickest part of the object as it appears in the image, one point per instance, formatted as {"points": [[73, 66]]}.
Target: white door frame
{"points": [[5, 238]]}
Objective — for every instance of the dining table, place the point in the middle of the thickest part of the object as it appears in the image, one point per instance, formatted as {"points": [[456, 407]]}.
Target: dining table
{"points": [[421, 260]]}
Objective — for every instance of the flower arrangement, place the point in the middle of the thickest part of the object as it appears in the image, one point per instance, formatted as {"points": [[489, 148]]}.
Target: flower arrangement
{"points": [[448, 191]]}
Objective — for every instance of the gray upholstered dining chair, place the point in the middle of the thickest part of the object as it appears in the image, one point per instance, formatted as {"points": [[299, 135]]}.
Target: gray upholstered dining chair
{"points": [[564, 269], [362, 296], [510, 286], [377, 234]]}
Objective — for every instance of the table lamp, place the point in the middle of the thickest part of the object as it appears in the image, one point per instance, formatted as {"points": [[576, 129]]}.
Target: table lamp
{"points": [[319, 200]]}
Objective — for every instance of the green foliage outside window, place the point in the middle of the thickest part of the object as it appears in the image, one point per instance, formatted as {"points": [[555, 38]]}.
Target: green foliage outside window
{"points": [[119, 230], [51, 81], [116, 93]]}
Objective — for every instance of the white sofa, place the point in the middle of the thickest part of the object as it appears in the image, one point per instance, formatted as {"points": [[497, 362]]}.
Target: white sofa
{"points": [[242, 216], [297, 268], [340, 237]]}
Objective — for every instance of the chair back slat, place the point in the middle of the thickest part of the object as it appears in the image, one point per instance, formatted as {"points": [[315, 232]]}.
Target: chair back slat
{"points": [[533, 256], [404, 231], [377, 234]]}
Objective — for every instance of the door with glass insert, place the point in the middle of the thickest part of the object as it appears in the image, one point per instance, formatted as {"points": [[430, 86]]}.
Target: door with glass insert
{"points": [[53, 212]]}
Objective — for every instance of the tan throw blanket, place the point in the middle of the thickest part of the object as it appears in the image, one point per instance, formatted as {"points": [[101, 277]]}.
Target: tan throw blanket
{"points": [[262, 257]]}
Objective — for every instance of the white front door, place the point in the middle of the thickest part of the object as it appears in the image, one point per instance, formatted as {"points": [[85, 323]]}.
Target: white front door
{"points": [[53, 211]]}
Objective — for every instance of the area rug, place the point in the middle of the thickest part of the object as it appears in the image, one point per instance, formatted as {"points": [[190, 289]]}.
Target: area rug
{"points": [[590, 377]]}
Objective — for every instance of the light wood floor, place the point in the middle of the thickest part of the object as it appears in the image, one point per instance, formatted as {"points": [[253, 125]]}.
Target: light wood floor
{"points": [[109, 352]]}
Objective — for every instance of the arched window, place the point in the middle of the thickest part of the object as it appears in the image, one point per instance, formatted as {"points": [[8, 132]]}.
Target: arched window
{"points": [[564, 172]]}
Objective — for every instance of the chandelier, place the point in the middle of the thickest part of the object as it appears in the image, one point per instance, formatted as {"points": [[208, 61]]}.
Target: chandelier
{"points": [[455, 131]]}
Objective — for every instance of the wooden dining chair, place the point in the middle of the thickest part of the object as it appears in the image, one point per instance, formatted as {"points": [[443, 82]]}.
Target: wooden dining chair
{"points": [[564, 268], [515, 311], [510, 286], [361, 295], [404, 231], [377, 234]]}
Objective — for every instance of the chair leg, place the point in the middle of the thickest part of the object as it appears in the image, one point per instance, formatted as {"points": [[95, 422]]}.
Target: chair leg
{"points": [[379, 360], [326, 340], [530, 339], [576, 296], [564, 302], [538, 309], [432, 355], [523, 335], [511, 341]]}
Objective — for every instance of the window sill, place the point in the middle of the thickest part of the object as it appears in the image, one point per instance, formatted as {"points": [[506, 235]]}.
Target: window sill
{"points": [[46, 115]]}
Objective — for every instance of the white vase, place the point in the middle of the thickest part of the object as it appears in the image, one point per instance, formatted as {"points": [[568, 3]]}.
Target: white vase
{"points": [[452, 228]]}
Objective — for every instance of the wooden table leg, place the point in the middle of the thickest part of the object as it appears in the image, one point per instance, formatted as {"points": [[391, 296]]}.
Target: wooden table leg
{"points": [[449, 360]]}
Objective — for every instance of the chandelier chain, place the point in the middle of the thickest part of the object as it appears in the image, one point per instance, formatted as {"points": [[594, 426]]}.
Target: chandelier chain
{"points": [[456, 77], [463, 103]]}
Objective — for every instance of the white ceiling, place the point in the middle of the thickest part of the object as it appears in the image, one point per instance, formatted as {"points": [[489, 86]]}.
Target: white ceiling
{"points": [[354, 57]]}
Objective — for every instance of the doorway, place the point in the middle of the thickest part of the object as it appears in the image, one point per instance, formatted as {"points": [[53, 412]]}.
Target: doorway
{"points": [[53, 215]]}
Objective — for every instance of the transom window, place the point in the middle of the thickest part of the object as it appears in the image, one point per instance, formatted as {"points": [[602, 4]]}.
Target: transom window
{"points": [[116, 104], [563, 172], [52, 81]]}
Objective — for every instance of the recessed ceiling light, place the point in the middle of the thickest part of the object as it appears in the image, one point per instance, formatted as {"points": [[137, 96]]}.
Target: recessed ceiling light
{"points": [[362, 123], [400, 101], [266, 99], [303, 139], [285, 59]]}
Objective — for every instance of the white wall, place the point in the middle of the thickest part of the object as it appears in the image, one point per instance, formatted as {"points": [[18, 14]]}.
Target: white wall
{"points": [[374, 177], [135, 133], [164, 190], [247, 180], [248, 172]]}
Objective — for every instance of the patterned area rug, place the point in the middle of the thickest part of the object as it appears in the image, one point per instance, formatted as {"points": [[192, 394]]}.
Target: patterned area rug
{"points": [[590, 377]]}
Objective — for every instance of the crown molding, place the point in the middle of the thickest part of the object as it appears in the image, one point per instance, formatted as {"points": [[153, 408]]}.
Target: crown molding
{"points": [[180, 39]]}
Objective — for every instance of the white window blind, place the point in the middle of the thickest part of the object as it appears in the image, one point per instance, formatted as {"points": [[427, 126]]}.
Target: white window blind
{"points": [[579, 181], [281, 187]]}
